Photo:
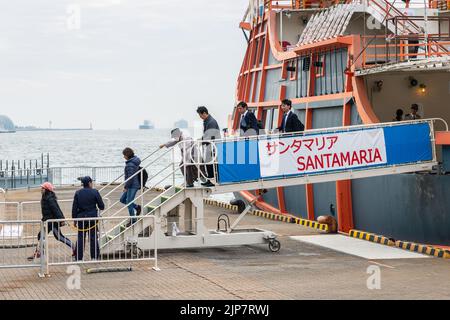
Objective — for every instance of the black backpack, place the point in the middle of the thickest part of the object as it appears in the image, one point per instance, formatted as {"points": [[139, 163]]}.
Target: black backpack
{"points": [[144, 176], [302, 126], [260, 125]]}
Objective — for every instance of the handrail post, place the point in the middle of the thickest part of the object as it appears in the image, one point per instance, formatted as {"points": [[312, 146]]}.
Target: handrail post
{"points": [[42, 258], [173, 166], [142, 189]]}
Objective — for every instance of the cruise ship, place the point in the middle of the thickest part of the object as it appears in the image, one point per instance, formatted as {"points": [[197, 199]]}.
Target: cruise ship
{"points": [[345, 63]]}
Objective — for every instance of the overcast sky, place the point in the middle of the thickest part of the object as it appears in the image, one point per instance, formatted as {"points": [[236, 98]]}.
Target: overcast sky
{"points": [[117, 62]]}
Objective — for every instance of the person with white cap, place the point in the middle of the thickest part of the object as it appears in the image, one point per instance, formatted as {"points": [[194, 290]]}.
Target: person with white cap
{"points": [[51, 210], [189, 154]]}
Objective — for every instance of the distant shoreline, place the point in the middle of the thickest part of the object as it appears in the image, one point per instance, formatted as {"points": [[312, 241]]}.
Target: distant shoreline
{"points": [[42, 129]]}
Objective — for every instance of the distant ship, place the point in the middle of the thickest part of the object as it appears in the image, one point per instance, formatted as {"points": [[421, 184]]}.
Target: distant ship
{"points": [[182, 124], [147, 125]]}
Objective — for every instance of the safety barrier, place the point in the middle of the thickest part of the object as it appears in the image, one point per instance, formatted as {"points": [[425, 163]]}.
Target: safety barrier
{"points": [[59, 243], [371, 237], [29, 210], [18, 241], [62, 252], [424, 249], [9, 210]]}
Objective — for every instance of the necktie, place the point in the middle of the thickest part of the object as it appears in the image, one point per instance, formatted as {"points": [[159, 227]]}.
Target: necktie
{"points": [[284, 121]]}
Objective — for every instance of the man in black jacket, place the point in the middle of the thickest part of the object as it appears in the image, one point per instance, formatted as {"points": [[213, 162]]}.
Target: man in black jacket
{"points": [[211, 131], [86, 203], [291, 122], [248, 122]]}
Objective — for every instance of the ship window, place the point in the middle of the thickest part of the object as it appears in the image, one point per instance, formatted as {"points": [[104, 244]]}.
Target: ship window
{"points": [[261, 50], [270, 119], [255, 56], [267, 118], [292, 69], [275, 119], [320, 66]]}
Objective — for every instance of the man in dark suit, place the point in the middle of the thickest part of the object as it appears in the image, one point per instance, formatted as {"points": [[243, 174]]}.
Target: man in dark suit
{"points": [[211, 131], [291, 122], [248, 122]]}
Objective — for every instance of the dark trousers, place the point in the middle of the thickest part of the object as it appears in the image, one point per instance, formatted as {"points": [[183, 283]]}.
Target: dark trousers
{"points": [[190, 174], [91, 228], [54, 226]]}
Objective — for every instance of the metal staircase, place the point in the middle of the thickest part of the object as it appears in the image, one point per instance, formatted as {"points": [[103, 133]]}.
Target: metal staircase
{"points": [[398, 153], [115, 238]]}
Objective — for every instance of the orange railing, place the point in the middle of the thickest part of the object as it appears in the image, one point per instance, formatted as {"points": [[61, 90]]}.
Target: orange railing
{"points": [[302, 4], [308, 4], [379, 51]]}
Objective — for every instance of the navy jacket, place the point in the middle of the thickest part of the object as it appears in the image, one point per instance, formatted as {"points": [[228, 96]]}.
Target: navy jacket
{"points": [[50, 207], [292, 124], [86, 202], [249, 122], [131, 167], [211, 130]]}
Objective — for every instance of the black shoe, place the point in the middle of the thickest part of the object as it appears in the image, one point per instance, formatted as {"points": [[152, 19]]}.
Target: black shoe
{"points": [[189, 186], [208, 184], [138, 210]]}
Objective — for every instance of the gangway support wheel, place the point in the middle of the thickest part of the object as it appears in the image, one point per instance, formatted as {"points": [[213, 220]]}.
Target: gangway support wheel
{"points": [[274, 245]]}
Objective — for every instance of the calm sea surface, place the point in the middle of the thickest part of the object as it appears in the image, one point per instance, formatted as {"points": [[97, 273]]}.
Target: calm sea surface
{"points": [[80, 148], [96, 148]]}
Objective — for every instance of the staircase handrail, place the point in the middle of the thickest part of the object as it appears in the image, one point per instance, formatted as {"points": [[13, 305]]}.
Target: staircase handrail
{"points": [[115, 180]]}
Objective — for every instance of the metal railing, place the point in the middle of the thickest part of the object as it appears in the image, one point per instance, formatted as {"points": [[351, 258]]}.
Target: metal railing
{"points": [[59, 254], [20, 247], [18, 241], [29, 210], [144, 190], [58, 176], [215, 161], [10, 210]]}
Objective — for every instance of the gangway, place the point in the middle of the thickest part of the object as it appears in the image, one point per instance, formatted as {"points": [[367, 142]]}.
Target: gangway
{"points": [[269, 161]]}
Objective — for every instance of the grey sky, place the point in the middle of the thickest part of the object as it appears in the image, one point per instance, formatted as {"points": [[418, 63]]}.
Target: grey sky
{"points": [[130, 60]]}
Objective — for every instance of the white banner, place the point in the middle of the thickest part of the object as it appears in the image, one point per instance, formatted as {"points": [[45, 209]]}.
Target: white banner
{"points": [[326, 152]]}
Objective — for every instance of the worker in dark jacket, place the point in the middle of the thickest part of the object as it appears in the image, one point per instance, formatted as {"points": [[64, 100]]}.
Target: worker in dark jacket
{"points": [[50, 211], [86, 203], [211, 131], [248, 122], [290, 122], [132, 184]]}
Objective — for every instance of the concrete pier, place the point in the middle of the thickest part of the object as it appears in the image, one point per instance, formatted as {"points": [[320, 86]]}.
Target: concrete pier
{"points": [[301, 270]]}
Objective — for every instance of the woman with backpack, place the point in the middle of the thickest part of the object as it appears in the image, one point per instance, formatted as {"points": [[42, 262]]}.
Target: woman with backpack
{"points": [[50, 211], [133, 183]]}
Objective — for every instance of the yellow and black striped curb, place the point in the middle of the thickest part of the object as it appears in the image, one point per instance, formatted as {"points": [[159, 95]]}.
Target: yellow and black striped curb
{"points": [[424, 249], [311, 224], [272, 216], [220, 204], [371, 237], [289, 219]]}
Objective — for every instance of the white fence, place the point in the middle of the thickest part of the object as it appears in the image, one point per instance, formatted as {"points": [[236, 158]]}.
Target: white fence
{"points": [[59, 243], [59, 176]]}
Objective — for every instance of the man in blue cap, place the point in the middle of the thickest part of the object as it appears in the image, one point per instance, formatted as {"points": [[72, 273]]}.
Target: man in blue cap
{"points": [[86, 203]]}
